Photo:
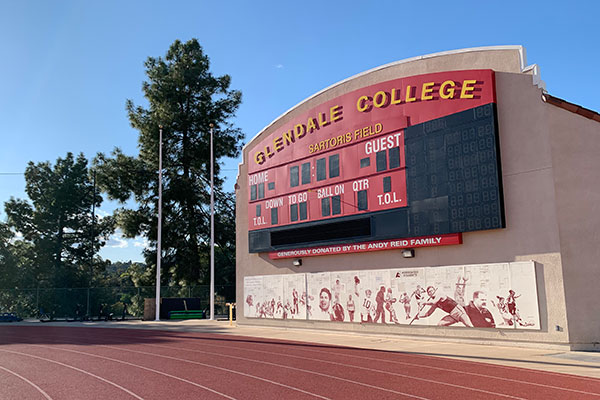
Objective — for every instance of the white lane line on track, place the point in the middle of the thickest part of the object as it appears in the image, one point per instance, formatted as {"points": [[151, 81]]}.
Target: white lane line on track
{"points": [[39, 389], [182, 379], [315, 373], [399, 363], [76, 369], [306, 371], [426, 356], [333, 363]]}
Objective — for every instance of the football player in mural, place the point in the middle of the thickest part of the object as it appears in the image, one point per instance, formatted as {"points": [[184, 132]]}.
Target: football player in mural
{"points": [[477, 311], [456, 312], [389, 305], [368, 308]]}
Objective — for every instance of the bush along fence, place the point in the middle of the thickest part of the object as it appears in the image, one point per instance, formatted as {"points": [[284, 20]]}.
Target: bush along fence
{"points": [[93, 302]]}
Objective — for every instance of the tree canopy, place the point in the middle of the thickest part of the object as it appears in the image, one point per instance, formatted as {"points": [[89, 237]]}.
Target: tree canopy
{"points": [[185, 98], [60, 234]]}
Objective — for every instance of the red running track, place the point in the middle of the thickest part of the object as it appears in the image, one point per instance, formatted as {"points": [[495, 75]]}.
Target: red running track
{"points": [[45, 362]]}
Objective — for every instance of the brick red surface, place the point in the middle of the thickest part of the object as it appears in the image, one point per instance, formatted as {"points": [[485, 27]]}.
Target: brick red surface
{"points": [[44, 362]]}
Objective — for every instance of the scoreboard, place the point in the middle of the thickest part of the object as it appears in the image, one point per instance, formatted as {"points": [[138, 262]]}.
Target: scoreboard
{"points": [[411, 157]]}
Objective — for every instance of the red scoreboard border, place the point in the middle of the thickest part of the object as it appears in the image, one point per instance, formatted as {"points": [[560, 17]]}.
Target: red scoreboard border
{"points": [[342, 123]]}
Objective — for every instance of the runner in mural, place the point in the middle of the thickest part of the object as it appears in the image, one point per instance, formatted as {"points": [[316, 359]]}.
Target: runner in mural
{"points": [[456, 312], [405, 300], [351, 307], [477, 311], [389, 305]]}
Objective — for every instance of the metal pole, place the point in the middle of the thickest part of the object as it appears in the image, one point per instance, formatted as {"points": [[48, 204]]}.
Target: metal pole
{"points": [[158, 240], [88, 313], [212, 228]]}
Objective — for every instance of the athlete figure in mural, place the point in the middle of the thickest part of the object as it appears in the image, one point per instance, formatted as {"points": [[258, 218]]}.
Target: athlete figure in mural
{"points": [[272, 308], [405, 300], [368, 308], [380, 300], [260, 310], [279, 309], [287, 310], [456, 312], [418, 294], [477, 311], [337, 289], [389, 305], [504, 311], [351, 307], [295, 299], [337, 312], [356, 286], [511, 304], [459, 292], [304, 303]]}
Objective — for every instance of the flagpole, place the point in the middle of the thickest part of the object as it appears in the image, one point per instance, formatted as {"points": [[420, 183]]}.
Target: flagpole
{"points": [[212, 228], [158, 240]]}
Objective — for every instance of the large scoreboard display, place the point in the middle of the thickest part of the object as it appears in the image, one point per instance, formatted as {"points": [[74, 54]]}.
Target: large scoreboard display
{"points": [[410, 157]]}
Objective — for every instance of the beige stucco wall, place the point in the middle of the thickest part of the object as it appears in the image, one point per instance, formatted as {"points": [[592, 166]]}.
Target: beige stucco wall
{"points": [[531, 133], [575, 144]]}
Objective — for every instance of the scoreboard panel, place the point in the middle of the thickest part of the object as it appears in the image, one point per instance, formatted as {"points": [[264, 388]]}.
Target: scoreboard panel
{"points": [[371, 169]]}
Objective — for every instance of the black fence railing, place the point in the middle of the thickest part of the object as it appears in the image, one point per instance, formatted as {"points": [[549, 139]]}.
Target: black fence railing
{"points": [[91, 302]]}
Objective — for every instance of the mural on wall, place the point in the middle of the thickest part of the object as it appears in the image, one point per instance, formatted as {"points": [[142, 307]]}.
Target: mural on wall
{"points": [[275, 296], [480, 296]]}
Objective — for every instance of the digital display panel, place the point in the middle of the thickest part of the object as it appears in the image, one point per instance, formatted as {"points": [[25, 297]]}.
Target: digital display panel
{"points": [[410, 157]]}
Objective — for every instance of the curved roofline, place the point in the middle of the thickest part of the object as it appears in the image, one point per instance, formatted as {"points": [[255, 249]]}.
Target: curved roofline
{"points": [[522, 59]]}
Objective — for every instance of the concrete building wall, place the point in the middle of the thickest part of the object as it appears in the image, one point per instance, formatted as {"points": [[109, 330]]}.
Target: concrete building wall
{"points": [[575, 145], [551, 191]]}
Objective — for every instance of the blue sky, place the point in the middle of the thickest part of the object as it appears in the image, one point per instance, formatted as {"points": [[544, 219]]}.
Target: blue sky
{"points": [[67, 67]]}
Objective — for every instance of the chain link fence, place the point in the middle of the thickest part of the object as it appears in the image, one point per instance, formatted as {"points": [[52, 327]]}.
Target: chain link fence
{"points": [[91, 302]]}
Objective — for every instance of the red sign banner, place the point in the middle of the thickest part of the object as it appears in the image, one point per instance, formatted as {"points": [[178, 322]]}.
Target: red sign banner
{"points": [[390, 244]]}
